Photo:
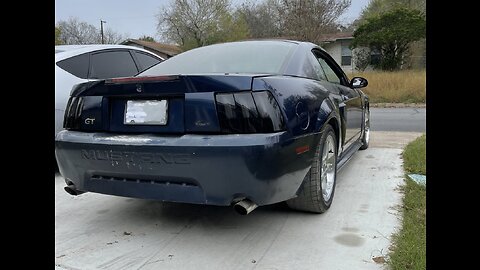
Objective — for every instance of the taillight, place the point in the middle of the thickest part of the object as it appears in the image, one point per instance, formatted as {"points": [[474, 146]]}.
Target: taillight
{"points": [[249, 112], [73, 111]]}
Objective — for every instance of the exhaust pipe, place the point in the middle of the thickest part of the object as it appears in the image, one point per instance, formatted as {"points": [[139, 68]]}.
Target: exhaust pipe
{"points": [[70, 189], [244, 207]]}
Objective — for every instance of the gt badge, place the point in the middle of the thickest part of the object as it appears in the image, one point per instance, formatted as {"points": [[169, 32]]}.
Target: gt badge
{"points": [[89, 121]]}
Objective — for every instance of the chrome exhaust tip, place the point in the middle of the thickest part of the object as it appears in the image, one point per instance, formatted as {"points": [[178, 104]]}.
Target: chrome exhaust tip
{"points": [[244, 207], [70, 189]]}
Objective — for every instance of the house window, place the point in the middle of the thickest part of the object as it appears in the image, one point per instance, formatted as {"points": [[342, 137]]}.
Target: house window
{"points": [[374, 57], [346, 55]]}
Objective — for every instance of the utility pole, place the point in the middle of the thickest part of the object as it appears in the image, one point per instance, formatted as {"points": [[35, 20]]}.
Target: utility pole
{"points": [[101, 28]]}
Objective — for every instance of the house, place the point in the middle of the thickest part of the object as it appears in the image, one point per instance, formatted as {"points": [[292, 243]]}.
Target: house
{"points": [[338, 46], [163, 50]]}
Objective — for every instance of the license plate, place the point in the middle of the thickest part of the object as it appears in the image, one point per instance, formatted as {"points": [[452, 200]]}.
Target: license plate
{"points": [[146, 112]]}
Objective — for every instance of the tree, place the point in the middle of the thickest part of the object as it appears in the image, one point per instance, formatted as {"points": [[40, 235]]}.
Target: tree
{"points": [[195, 23], [111, 37], [262, 20], [303, 20], [417, 49], [307, 20], [391, 34], [147, 38], [74, 31], [378, 7], [58, 41], [361, 58]]}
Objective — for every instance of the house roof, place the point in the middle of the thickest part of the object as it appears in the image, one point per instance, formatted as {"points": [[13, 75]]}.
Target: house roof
{"points": [[160, 47], [335, 36]]}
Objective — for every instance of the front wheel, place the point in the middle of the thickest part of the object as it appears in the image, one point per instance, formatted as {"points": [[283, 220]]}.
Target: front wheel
{"points": [[366, 130], [319, 184]]}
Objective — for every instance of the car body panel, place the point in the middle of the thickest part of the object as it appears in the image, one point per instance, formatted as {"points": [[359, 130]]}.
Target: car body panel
{"points": [[190, 159]]}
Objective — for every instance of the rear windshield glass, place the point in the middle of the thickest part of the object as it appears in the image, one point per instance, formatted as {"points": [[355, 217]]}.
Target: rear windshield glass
{"points": [[237, 57]]}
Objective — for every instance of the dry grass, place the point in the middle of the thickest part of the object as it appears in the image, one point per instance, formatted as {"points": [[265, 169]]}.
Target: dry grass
{"points": [[406, 86]]}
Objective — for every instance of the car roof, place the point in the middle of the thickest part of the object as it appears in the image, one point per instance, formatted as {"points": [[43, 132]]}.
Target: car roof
{"points": [[300, 43], [67, 51]]}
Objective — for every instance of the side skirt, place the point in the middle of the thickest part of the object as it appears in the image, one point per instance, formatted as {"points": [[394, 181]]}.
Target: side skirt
{"points": [[346, 156]]}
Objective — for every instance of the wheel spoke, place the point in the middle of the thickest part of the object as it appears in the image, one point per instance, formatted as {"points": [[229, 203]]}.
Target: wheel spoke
{"points": [[331, 160]]}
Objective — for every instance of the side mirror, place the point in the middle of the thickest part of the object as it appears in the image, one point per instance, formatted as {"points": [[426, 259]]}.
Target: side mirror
{"points": [[358, 82]]}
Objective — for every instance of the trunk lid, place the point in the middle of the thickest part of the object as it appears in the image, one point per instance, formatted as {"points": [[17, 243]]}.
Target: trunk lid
{"points": [[102, 105]]}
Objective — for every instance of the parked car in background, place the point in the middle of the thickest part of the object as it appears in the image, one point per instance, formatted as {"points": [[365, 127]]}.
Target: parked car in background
{"points": [[243, 123], [81, 63]]}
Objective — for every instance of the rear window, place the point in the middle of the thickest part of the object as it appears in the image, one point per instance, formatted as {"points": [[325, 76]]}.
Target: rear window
{"points": [[238, 57], [77, 65]]}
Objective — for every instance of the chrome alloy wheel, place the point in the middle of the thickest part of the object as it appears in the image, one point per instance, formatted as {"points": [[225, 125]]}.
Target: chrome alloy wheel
{"points": [[367, 126], [327, 172]]}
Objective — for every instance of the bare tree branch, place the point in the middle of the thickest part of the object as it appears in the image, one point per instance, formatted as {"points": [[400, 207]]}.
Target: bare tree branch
{"points": [[74, 31]]}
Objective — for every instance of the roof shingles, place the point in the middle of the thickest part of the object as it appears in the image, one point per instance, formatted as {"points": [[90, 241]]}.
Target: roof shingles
{"points": [[164, 48], [336, 36]]}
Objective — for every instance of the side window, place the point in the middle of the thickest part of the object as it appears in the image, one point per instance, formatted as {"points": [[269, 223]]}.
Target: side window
{"points": [[145, 60], [77, 65], [329, 73], [112, 64], [317, 71]]}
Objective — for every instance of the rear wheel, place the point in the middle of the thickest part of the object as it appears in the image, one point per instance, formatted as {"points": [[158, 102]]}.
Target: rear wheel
{"points": [[366, 130], [319, 184]]}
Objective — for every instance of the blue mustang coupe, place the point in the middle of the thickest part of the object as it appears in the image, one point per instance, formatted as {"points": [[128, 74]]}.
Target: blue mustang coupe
{"points": [[244, 123]]}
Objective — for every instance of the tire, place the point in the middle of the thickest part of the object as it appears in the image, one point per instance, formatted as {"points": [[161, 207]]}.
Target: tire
{"points": [[366, 130], [311, 197], [55, 164]]}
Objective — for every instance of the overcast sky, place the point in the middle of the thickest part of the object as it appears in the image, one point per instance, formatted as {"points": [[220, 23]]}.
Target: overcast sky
{"points": [[138, 18]]}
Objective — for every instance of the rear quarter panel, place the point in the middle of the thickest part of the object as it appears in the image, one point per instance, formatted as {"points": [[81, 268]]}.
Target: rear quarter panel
{"points": [[305, 103]]}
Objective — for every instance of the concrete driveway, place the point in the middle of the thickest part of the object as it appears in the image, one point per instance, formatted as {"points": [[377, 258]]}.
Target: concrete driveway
{"points": [[94, 231]]}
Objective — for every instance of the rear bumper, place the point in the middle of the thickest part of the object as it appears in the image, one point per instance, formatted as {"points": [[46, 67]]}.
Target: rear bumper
{"points": [[202, 169]]}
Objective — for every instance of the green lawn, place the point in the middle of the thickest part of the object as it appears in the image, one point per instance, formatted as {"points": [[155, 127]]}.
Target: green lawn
{"points": [[409, 245]]}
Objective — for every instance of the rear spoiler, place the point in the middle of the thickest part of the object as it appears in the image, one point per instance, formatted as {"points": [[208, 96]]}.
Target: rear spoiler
{"points": [[142, 79]]}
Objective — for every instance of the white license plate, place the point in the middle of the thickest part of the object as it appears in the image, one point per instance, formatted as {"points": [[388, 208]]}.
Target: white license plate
{"points": [[146, 112]]}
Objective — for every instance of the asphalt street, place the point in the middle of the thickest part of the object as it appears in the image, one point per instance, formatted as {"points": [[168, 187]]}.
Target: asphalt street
{"points": [[398, 119]]}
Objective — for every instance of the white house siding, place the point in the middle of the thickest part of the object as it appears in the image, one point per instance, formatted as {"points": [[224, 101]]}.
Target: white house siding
{"points": [[335, 51]]}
